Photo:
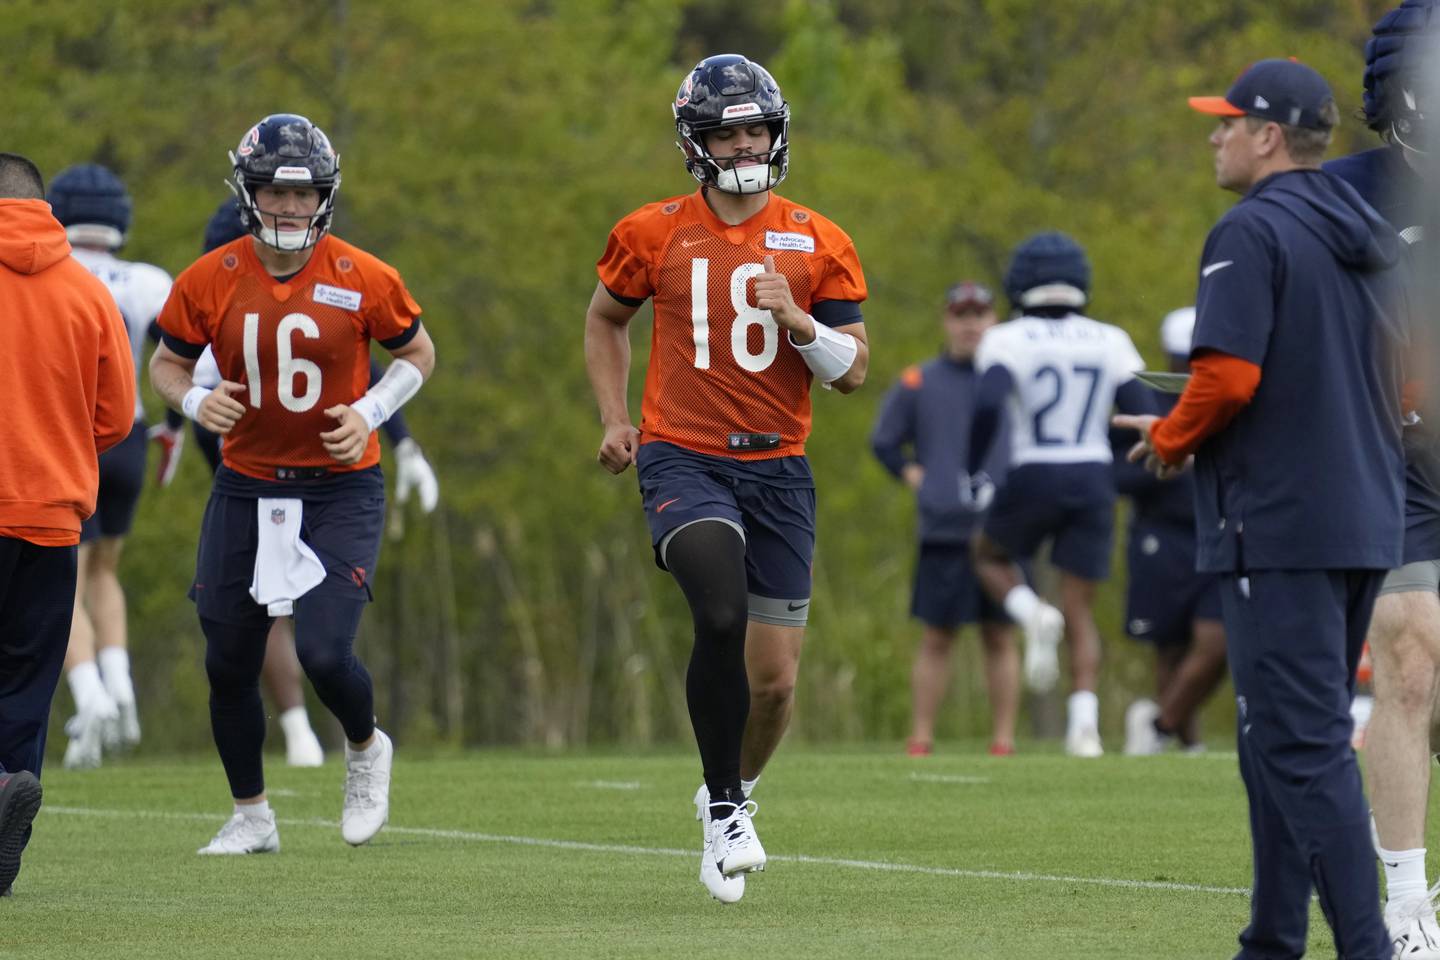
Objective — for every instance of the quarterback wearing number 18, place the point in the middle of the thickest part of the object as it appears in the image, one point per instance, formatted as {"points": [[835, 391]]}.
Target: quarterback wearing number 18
{"points": [[754, 298]]}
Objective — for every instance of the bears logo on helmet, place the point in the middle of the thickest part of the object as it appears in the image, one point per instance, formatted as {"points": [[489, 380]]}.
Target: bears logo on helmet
{"points": [[285, 149], [93, 205], [730, 91]]}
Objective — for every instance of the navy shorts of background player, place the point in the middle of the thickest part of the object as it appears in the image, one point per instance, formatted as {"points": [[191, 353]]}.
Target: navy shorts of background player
{"points": [[947, 593], [1073, 502], [122, 478], [770, 503], [1164, 595], [342, 521]]}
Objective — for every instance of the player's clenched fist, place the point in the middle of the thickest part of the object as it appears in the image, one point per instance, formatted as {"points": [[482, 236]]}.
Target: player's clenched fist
{"points": [[220, 410], [618, 449], [772, 292], [346, 443]]}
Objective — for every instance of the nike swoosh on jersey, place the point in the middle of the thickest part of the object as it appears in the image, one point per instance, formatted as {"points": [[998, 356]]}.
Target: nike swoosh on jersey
{"points": [[687, 244], [1213, 267]]}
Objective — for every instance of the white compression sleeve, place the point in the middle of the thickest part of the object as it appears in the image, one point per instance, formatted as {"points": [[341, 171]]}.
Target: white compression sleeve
{"points": [[402, 380], [830, 354]]}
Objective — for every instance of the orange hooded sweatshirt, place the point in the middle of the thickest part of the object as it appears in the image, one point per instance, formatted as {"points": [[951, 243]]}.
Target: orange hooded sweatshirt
{"points": [[67, 380]]}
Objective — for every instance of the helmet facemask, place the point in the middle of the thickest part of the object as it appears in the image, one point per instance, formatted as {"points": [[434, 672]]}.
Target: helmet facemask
{"points": [[722, 173], [1409, 129], [726, 91], [285, 150]]}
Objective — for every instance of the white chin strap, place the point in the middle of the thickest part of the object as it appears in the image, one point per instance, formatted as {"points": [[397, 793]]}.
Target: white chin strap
{"points": [[752, 178], [288, 240]]}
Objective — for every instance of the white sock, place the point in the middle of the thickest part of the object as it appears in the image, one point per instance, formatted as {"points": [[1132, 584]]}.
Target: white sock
{"points": [[85, 685], [295, 722], [1083, 709], [748, 786], [1021, 603], [367, 752], [1404, 873], [115, 671], [260, 808]]}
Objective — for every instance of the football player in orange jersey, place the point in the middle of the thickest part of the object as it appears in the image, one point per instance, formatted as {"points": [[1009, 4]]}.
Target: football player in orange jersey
{"points": [[754, 297], [294, 520]]}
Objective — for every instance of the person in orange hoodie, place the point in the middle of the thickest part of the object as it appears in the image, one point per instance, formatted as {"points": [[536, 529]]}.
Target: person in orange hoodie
{"points": [[69, 395]]}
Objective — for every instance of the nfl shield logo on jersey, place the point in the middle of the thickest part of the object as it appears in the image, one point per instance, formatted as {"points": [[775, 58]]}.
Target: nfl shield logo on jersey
{"points": [[277, 515]]}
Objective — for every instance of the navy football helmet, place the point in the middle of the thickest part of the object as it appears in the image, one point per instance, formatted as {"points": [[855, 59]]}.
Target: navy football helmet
{"points": [[93, 205], [224, 225], [1048, 270], [1395, 58], [285, 149], [727, 91]]}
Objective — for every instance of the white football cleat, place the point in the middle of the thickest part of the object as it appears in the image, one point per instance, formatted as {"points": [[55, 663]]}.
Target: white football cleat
{"points": [[244, 834], [734, 844], [1084, 742], [1414, 933], [367, 791], [87, 731], [702, 813], [1141, 737], [1043, 631], [722, 888]]}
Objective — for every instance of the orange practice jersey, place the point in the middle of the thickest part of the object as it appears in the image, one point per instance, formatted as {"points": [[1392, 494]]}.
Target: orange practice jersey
{"points": [[299, 347], [719, 365]]}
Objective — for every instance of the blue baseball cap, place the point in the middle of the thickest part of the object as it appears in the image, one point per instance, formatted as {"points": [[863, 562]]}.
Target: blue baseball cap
{"points": [[1285, 91]]}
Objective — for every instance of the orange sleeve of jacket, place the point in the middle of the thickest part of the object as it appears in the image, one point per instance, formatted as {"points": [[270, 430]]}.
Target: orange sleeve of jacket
{"points": [[1220, 386], [115, 385]]}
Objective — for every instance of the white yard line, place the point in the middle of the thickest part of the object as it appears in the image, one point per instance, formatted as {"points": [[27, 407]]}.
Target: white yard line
{"points": [[947, 778], [876, 865]]}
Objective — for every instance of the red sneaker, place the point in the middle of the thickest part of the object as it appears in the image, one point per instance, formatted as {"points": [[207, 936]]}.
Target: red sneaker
{"points": [[998, 749], [918, 748]]}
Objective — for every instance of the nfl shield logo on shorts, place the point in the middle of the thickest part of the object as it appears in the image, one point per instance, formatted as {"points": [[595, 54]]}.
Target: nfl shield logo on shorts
{"points": [[277, 515]]}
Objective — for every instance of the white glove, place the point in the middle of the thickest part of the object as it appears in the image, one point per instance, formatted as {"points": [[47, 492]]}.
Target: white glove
{"points": [[413, 472], [976, 492], [171, 442]]}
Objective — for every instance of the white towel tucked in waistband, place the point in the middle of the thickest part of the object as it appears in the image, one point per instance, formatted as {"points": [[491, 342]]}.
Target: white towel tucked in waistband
{"points": [[285, 566]]}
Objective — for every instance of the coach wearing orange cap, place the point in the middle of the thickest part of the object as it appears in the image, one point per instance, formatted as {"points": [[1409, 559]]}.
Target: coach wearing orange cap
{"points": [[1293, 416]]}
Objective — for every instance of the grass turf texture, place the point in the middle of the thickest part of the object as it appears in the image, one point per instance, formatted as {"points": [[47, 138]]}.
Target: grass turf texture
{"points": [[112, 869]]}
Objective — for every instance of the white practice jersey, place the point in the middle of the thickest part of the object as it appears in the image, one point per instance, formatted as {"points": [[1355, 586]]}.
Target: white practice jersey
{"points": [[139, 289], [1066, 373]]}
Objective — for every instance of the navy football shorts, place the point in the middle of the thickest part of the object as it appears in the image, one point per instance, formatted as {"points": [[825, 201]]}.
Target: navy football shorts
{"points": [[947, 592], [1072, 504], [1165, 595], [777, 523], [344, 532], [122, 480]]}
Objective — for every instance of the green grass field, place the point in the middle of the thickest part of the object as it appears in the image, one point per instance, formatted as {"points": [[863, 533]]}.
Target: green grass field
{"points": [[518, 855]]}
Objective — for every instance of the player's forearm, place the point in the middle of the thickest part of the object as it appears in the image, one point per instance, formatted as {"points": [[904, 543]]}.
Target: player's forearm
{"points": [[607, 361], [170, 380], [855, 376]]}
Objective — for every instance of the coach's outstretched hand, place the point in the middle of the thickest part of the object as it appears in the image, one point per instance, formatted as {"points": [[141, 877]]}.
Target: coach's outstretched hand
{"points": [[1144, 449]]}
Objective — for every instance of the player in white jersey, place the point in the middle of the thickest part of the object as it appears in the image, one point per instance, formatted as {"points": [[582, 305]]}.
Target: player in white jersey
{"points": [[1056, 375], [94, 207]]}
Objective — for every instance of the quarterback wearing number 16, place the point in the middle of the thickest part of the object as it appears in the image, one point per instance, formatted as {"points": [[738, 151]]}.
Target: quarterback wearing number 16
{"points": [[754, 298], [294, 520]]}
